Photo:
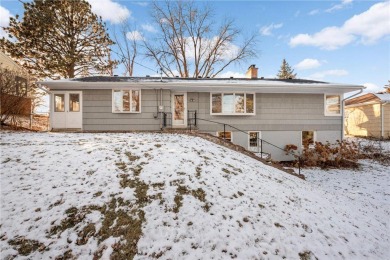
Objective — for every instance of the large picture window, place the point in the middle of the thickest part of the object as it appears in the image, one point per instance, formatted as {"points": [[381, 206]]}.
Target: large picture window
{"points": [[126, 101], [232, 103], [332, 105]]}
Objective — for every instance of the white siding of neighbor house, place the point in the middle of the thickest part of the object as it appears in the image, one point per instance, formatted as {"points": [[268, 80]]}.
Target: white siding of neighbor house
{"points": [[365, 120]]}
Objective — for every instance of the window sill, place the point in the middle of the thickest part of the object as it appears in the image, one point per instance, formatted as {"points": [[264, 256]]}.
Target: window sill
{"points": [[242, 114], [332, 114], [115, 112]]}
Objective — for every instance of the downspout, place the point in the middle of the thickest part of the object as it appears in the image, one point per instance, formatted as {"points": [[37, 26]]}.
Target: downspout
{"points": [[160, 109], [50, 100], [383, 119], [343, 113]]}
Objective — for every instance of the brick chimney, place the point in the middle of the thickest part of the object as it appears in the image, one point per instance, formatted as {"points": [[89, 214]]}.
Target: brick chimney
{"points": [[252, 72]]}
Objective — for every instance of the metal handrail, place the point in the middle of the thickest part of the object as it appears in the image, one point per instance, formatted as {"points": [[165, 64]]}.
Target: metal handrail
{"points": [[258, 139]]}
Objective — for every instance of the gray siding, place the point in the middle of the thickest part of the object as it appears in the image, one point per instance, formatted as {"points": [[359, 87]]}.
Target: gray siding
{"points": [[279, 117], [98, 116], [274, 112]]}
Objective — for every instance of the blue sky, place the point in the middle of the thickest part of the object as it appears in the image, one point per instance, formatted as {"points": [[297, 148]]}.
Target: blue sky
{"points": [[336, 41]]}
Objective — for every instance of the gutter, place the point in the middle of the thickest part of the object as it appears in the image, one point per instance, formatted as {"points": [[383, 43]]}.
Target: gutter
{"points": [[383, 118], [44, 89], [343, 112]]}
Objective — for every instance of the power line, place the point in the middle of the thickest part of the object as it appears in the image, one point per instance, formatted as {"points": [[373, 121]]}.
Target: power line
{"points": [[146, 67]]}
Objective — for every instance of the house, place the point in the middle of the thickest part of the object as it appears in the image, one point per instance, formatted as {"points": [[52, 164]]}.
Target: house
{"points": [[368, 115], [15, 92], [243, 110]]}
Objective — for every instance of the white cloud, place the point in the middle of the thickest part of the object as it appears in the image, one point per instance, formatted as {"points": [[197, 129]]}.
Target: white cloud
{"points": [[229, 50], [323, 74], [267, 30], [314, 12], [369, 27], [143, 4], [134, 36], [149, 28], [373, 88], [5, 14], [308, 64], [297, 13], [110, 10], [342, 5], [229, 74]]}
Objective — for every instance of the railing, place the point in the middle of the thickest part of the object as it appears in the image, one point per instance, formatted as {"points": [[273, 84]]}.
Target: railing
{"points": [[167, 119], [192, 121], [191, 118]]}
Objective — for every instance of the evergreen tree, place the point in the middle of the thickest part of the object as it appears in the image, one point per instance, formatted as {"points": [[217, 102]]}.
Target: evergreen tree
{"points": [[59, 39], [285, 71]]}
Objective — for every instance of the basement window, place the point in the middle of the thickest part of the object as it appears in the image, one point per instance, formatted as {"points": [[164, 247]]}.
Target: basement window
{"points": [[254, 141], [227, 135], [232, 103], [332, 105], [308, 138], [126, 101]]}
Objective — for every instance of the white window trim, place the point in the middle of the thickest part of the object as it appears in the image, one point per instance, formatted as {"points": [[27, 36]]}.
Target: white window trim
{"points": [[231, 134], [249, 138], [314, 138], [341, 100], [233, 114], [131, 96]]}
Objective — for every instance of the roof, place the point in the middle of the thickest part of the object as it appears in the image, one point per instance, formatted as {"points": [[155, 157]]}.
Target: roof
{"points": [[369, 98], [202, 84]]}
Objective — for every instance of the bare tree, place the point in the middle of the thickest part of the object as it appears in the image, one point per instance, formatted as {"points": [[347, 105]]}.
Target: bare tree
{"points": [[127, 45], [14, 99], [190, 42]]}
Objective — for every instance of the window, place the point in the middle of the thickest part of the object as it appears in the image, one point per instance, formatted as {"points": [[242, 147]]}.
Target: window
{"points": [[225, 135], [308, 138], [254, 141], [232, 103], [74, 102], [332, 105], [126, 101], [59, 102]]}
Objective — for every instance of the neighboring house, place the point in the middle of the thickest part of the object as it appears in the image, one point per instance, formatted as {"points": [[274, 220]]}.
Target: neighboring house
{"points": [[368, 115], [280, 112], [15, 91]]}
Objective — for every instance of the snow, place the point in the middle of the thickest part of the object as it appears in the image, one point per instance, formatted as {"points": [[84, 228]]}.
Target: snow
{"points": [[249, 210], [385, 97]]}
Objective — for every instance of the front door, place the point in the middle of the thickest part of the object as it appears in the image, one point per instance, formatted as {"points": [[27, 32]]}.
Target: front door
{"points": [[179, 109], [66, 109]]}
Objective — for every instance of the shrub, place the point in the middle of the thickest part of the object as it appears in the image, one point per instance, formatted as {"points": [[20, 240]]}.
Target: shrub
{"points": [[341, 154]]}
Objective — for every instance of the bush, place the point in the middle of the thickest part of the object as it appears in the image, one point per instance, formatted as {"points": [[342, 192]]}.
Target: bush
{"points": [[342, 154]]}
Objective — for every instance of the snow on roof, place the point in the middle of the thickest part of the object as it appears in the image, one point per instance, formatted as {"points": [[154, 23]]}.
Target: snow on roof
{"points": [[203, 85], [385, 97], [369, 98]]}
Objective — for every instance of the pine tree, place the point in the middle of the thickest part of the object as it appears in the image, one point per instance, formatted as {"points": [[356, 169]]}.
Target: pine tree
{"points": [[285, 71], [59, 39]]}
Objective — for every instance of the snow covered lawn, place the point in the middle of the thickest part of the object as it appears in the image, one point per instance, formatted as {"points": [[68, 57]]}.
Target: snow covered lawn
{"points": [[174, 196]]}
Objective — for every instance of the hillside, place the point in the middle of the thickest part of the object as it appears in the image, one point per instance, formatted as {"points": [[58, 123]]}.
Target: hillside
{"points": [[174, 197]]}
